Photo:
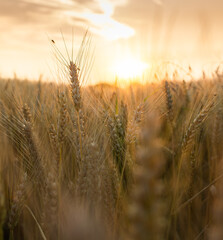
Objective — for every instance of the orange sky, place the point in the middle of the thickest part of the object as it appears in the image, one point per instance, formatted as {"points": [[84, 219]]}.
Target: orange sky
{"points": [[154, 31]]}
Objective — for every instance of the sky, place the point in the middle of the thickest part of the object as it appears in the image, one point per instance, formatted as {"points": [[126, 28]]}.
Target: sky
{"points": [[162, 34]]}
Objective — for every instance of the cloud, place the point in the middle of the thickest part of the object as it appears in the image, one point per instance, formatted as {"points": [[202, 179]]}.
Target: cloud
{"points": [[21, 9], [97, 14], [104, 24]]}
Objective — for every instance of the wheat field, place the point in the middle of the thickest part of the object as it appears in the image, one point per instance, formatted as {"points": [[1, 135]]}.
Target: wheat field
{"points": [[105, 162]]}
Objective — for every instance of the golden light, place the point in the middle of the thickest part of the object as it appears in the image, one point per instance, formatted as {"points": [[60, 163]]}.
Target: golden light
{"points": [[130, 68]]}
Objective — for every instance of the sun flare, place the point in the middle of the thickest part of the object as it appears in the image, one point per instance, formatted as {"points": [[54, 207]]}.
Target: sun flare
{"points": [[130, 68]]}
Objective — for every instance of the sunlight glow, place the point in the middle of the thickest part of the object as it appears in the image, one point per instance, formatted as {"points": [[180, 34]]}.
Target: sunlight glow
{"points": [[103, 23], [106, 7], [130, 68], [107, 27]]}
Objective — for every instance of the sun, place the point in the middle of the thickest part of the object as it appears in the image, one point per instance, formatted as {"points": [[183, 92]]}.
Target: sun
{"points": [[130, 68]]}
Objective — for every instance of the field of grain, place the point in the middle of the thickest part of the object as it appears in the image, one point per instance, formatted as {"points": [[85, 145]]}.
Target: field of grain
{"points": [[103, 162], [111, 120]]}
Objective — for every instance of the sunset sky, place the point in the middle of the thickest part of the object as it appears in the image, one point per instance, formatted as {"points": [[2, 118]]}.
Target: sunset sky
{"points": [[148, 32]]}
